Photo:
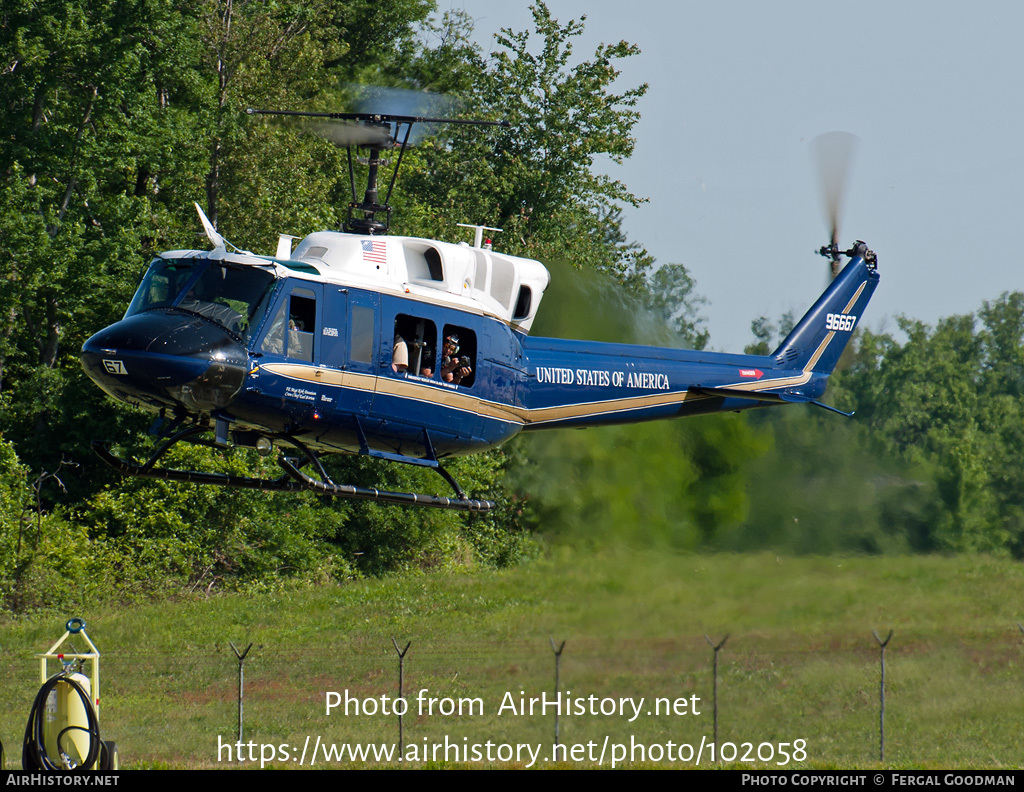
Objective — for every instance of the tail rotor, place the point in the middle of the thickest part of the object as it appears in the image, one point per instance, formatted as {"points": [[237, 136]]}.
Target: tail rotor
{"points": [[834, 152]]}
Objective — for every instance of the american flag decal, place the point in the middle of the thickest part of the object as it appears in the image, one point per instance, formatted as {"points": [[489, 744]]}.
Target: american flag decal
{"points": [[374, 251]]}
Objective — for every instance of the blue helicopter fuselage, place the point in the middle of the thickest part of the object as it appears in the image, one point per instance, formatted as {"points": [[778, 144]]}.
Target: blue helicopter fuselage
{"points": [[412, 349]]}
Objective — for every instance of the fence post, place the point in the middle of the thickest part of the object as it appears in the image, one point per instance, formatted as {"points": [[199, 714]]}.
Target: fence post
{"points": [[714, 696], [401, 688], [241, 682], [881, 696], [558, 661]]}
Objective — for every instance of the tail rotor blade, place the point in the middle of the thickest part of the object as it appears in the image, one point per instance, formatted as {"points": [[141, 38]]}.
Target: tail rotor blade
{"points": [[834, 152]]}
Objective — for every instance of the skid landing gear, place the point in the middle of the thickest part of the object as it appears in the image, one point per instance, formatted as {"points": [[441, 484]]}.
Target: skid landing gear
{"points": [[294, 479]]}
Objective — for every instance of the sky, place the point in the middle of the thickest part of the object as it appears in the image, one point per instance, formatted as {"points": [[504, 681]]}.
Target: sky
{"points": [[737, 92]]}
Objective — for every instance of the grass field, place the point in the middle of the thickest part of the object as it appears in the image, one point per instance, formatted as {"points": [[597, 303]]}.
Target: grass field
{"points": [[800, 661]]}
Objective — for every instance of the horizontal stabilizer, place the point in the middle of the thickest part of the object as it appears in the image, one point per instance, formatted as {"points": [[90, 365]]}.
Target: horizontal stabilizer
{"points": [[783, 397], [763, 396]]}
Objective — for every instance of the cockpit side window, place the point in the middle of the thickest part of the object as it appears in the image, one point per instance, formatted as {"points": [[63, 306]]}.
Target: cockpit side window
{"points": [[301, 324], [292, 329]]}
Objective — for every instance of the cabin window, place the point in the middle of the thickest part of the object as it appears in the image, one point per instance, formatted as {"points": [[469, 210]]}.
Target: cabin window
{"points": [[458, 356], [362, 334], [291, 332], [522, 310], [415, 346], [434, 264]]}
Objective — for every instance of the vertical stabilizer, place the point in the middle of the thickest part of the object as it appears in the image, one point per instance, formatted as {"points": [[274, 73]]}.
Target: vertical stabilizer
{"points": [[818, 339]]}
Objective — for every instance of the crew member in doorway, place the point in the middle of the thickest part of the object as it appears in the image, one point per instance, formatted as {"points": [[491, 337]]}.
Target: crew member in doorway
{"points": [[454, 368], [400, 355]]}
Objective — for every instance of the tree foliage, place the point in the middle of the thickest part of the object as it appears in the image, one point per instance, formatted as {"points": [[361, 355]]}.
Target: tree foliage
{"points": [[116, 116], [538, 179], [930, 461], [949, 396]]}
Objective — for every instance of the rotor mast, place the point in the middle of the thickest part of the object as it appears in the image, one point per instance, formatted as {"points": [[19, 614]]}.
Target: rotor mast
{"points": [[373, 132]]}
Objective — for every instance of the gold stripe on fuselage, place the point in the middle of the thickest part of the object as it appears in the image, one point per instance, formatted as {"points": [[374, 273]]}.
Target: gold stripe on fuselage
{"points": [[435, 393], [460, 400]]}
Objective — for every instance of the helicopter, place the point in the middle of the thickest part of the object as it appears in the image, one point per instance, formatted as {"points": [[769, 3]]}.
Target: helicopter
{"points": [[409, 350]]}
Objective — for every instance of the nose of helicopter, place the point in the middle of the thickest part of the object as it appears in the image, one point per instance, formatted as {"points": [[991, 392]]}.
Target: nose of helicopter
{"points": [[167, 359]]}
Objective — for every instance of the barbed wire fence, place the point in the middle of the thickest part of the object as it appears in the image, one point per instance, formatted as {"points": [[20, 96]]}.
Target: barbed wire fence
{"points": [[817, 692], [882, 644]]}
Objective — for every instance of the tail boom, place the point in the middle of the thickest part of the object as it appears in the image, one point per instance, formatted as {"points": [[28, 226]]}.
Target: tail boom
{"points": [[576, 383]]}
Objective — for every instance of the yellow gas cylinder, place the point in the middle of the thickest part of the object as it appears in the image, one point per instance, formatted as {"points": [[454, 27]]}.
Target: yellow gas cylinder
{"points": [[66, 731], [63, 730]]}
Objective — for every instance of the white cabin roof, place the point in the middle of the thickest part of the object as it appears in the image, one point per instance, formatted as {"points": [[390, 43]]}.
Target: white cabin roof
{"points": [[507, 287]]}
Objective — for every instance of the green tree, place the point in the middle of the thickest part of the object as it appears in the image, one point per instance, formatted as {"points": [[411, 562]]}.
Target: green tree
{"points": [[673, 294], [537, 179], [769, 334], [948, 398], [80, 115]]}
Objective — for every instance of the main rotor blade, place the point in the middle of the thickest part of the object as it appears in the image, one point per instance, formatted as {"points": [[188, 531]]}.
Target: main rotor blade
{"points": [[345, 133], [379, 117], [404, 103]]}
